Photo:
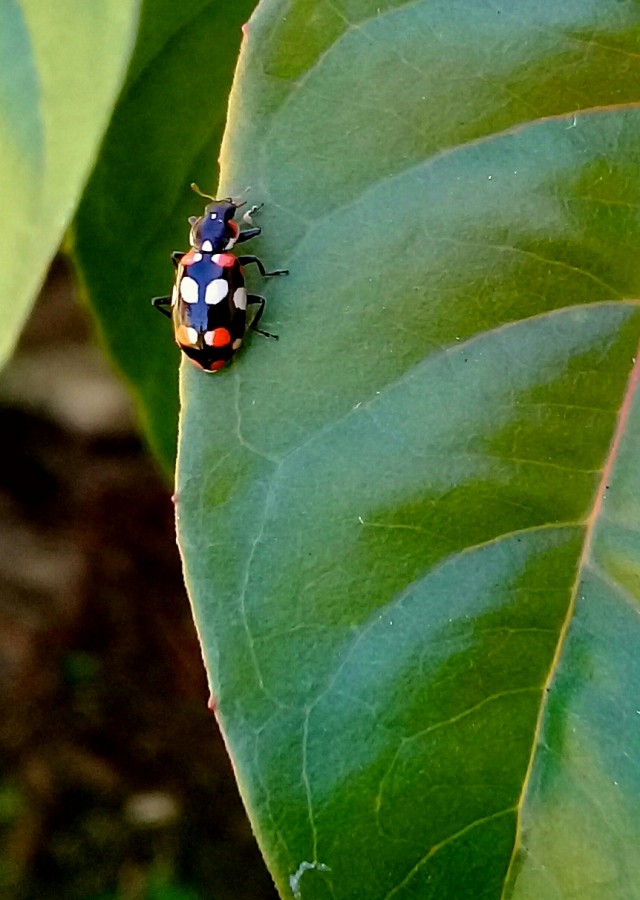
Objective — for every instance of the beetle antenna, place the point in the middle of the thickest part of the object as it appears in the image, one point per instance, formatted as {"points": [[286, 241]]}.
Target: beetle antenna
{"points": [[196, 189], [236, 203], [239, 203]]}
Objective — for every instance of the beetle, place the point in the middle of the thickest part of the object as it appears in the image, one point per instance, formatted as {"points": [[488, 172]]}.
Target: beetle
{"points": [[208, 304]]}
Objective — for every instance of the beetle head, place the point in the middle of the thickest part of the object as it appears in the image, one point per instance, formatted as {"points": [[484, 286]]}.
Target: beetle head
{"points": [[214, 231]]}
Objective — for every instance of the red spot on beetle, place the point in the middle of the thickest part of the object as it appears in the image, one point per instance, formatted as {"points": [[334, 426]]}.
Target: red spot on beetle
{"points": [[224, 259], [187, 259], [216, 366], [221, 337]]}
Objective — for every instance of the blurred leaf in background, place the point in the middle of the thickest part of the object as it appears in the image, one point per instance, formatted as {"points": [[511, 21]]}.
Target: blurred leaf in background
{"points": [[102, 676], [61, 67], [165, 133]]}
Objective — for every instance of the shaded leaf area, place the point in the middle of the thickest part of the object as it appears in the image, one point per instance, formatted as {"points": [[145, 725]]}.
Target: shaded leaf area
{"points": [[410, 527], [50, 127], [165, 133]]}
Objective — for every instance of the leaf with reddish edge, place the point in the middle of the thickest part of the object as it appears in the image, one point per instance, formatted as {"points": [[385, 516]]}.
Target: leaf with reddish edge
{"points": [[410, 528]]}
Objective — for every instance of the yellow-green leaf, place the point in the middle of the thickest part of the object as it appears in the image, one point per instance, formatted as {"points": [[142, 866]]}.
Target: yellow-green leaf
{"points": [[61, 67]]}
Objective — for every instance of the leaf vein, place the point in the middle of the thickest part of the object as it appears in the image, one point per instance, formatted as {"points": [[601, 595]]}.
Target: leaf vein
{"points": [[448, 840], [584, 560]]}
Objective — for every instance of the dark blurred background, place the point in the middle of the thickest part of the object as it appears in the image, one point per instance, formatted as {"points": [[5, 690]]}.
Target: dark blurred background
{"points": [[114, 780]]}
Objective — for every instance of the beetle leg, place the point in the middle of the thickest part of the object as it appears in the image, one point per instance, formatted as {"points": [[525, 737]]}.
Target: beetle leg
{"points": [[248, 234], [163, 305], [176, 256], [248, 260], [254, 209], [257, 300]]}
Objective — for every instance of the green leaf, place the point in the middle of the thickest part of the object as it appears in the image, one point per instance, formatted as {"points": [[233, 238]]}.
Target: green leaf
{"points": [[61, 67], [165, 133], [410, 528]]}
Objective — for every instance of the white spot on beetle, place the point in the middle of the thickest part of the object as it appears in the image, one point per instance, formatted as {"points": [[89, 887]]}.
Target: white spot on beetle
{"points": [[294, 880], [186, 336], [216, 291], [240, 298], [197, 257], [207, 246], [213, 216], [189, 289], [230, 243]]}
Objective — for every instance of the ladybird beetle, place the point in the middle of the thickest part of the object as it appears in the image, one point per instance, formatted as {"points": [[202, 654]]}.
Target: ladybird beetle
{"points": [[209, 301]]}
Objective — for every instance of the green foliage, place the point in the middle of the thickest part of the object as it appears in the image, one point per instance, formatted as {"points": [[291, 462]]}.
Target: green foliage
{"points": [[52, 117], [410, 527]]}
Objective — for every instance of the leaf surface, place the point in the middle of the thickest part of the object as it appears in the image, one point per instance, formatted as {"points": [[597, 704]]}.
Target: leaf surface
{"points": [[61, 67], [411, 528]]}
